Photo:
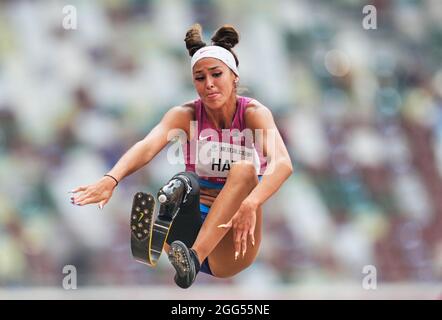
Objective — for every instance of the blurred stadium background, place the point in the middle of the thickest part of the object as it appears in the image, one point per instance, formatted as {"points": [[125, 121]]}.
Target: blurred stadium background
{"points": [[360, 111]]}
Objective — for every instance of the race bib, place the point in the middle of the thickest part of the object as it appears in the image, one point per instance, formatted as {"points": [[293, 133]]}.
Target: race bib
{"points": [[214, 159]]}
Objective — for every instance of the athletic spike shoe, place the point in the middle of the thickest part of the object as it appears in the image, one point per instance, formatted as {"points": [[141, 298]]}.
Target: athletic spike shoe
{"points": [[186, 263]]}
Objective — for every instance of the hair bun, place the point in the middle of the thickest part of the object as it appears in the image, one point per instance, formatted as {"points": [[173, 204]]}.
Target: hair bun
{"points": [[226, 37], [193, 39]]}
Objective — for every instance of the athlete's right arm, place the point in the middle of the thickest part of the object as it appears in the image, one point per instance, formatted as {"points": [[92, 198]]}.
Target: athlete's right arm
{"points": [[136, 157]]}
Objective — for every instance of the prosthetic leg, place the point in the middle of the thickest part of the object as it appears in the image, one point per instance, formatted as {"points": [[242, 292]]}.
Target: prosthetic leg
{"points": [[148, 234]]}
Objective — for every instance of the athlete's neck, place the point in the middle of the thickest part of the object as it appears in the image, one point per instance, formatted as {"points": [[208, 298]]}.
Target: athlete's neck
{"points": [[223, 117]]}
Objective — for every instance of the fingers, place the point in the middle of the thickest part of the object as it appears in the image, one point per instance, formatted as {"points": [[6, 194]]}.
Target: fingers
{"points": [[240, 236], [236, 242], [75, 198], [88, 197], [252, 235], [81, 188], [88, 194], [84, 200], [242, 228], [88, 200], [243, 243], [102, 203]]}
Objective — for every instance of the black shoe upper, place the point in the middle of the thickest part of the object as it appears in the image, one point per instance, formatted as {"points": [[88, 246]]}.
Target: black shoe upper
{"points": [[186, 263]]}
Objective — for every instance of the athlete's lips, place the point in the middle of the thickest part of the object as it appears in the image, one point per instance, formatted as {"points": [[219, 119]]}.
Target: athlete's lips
{"points": [[212, 95]]}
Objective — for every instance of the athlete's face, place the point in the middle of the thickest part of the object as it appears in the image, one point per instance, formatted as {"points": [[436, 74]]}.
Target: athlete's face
{"points": [[214, 82]]}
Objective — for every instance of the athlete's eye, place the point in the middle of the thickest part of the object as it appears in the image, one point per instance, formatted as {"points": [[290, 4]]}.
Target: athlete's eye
{"points": [[199, 78], [217, 75]]}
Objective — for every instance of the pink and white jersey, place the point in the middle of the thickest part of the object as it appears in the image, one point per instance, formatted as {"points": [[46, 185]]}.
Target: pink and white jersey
{"points": [[212, 151]]}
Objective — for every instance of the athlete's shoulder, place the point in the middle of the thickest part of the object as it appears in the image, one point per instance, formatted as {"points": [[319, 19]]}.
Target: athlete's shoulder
{"points": [[186, 110], [180, 117], [256, 110]]}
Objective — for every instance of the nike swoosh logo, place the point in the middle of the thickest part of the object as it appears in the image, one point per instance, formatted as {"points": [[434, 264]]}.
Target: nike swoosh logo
{"points": [[204, 138]]}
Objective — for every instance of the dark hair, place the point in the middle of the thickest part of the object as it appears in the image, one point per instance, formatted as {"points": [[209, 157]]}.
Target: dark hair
{"points": [[226, 37], [193, 39]]}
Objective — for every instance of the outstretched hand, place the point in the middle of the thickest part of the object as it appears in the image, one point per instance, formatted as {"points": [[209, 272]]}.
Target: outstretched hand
{"points": [[243, 223], [99, 192]]}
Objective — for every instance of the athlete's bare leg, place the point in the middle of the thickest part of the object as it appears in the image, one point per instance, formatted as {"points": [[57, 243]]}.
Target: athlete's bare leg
{"points": [[217, 243]]}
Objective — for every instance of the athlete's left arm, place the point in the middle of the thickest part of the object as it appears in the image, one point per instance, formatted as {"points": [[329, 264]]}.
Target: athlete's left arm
{"points": [[279, 164], [279, 168]]}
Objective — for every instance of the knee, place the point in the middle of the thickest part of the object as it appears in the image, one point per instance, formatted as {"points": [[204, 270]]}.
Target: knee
{"points": [[243, 171], [225, 274], [233, 271]]}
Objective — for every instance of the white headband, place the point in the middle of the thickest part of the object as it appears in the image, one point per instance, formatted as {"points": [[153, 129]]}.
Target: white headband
{"points": [[216, 52]]}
